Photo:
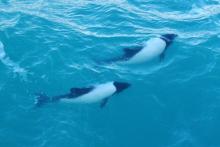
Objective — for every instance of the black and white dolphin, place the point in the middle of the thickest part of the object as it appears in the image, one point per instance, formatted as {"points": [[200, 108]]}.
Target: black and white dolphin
{"points": [[154, 47], [97, 93]]}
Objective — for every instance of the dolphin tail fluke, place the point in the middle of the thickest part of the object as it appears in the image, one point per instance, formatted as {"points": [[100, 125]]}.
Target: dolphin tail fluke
{"points": [[41, 99]]}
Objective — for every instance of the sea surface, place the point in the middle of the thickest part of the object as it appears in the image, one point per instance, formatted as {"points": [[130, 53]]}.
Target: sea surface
{"points": [[52, 45]]}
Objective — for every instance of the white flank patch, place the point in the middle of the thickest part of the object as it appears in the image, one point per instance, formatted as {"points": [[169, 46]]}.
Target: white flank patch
{"points": [[99, 93], [153, 48]]}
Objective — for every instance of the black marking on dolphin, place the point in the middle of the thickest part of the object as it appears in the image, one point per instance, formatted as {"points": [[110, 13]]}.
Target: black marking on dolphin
{"points": [[76, 92], [128, 53]]}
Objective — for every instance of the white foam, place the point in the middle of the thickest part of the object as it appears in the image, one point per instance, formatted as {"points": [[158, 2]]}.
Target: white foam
{"points": [[9, 63]]}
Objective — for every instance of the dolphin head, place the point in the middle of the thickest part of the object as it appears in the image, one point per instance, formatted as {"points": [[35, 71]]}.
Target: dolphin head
{"points": [[168, 38], [120, 86]]}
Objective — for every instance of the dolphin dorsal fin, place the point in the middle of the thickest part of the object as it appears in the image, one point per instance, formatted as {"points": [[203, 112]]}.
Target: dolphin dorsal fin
{"points": [[130, 52], [80, 91]]}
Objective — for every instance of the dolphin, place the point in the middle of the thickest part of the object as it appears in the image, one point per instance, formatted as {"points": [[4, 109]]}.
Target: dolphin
{"points": [[92, 94], [154, 47]]}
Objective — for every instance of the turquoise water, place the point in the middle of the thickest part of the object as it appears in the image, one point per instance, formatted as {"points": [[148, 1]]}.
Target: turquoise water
{"points": [[50, 46]]}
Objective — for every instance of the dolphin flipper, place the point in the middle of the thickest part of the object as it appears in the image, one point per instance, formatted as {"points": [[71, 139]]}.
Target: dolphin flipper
{"points": [[130, 52], [162, 56], [104, 102]]}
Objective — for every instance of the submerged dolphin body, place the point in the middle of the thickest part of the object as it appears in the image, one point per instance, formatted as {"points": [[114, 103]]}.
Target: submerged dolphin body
{"points": [[92, 94], [154, 47]]}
